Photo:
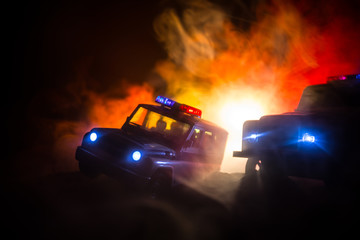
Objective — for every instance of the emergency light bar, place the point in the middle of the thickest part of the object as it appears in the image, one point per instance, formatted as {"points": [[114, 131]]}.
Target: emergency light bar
{"points": [[178, 106], [344, 77], [165, 101], [190, 110]]}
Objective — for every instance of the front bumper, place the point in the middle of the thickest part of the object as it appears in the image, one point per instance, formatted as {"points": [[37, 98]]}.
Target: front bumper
{"points": [[243, 154], [82, 154]]}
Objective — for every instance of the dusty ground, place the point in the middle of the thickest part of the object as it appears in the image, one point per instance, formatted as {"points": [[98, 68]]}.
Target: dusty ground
{"points": [[222, 206]]}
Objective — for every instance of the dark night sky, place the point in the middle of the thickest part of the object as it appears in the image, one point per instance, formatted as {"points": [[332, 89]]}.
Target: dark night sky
{"points": [[50, 44], [52, 39]]}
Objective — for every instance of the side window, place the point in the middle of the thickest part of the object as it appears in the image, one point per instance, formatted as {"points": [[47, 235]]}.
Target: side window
{"points": [[194, 141], [203, 140], [208, 141]]}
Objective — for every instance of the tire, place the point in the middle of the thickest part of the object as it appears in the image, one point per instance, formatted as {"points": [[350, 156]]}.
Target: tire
{"points": [[253, 165], [270, 164], [273, 164], [160, 184]]}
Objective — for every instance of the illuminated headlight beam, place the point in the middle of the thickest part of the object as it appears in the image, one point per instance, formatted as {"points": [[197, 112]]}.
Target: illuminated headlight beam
{"points": [[93, 137], [136, 155], [252, 137], [308, 138]]}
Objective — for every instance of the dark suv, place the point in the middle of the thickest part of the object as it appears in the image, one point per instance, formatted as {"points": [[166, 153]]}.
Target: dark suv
{"points": [[320, 139], [159, 144]]}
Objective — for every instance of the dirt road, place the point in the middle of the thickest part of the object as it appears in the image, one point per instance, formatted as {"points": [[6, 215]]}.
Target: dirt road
{"points": [[222, 206]]}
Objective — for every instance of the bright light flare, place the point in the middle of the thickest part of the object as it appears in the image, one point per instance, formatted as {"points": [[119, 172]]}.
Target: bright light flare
{"points": [[234, 112], [253, 136], [308, 138], [136, 155], [93, 137]]}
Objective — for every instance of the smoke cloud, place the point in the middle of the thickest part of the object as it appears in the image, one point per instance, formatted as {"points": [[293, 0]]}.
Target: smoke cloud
{"points": [[235, 61], [236, 74]]}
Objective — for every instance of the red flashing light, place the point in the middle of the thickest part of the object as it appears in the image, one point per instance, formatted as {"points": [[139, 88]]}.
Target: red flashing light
{"points": [[178, 106], [344, 77], [190, 110]]}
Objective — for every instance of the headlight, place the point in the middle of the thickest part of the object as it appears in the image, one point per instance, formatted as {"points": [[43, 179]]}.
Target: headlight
{"points": [[136, 155], [252, 137], [93, 137], [308, 138]]}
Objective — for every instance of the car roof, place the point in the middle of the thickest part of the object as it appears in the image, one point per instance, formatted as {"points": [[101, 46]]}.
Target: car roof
{"points": [[182, 117]]}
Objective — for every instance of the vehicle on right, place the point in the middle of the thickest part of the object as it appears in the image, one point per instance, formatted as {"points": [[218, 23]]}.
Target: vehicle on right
{"points": [[319, 140]]}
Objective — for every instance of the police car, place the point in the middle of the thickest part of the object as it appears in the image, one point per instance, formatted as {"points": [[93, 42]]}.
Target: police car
{"points": [[159, 144], [320, 139]]}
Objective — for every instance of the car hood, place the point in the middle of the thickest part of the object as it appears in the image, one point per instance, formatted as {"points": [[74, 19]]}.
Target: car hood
{"points": [[115, 141]]}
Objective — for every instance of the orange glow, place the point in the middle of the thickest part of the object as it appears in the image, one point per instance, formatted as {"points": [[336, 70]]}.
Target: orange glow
{"points": [[107, 112], [103, 111], [233, 114], [232, 75]]}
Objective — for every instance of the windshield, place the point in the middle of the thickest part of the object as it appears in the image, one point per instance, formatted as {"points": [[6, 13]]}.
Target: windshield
{"points": [[162, 126]]}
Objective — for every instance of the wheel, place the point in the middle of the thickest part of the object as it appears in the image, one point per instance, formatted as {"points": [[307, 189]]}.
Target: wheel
{"points": [[273, 164], [89, 170], [160, 184], [270, 164], [253, 165]]}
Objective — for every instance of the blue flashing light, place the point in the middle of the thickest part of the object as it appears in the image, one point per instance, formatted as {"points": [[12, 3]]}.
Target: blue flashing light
{"points": [[344, 77], [93, 137], [180, 107], [165, 101], [136, 155], [308, 138], [254, 137]]}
